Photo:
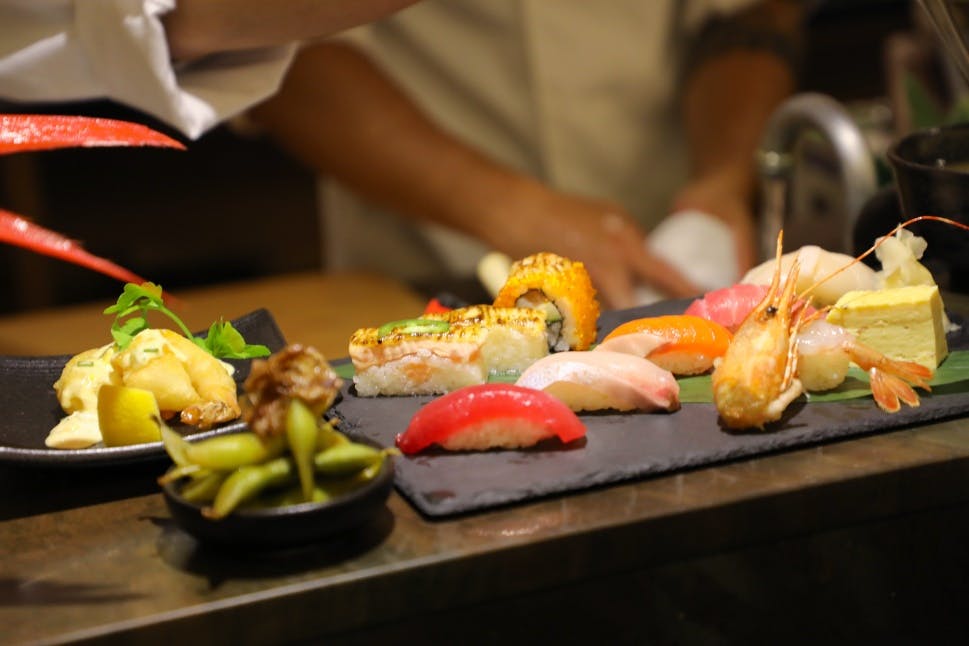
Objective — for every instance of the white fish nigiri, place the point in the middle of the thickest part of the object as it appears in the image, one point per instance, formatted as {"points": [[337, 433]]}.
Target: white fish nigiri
{"points": [[604, 380], [817, 263]]}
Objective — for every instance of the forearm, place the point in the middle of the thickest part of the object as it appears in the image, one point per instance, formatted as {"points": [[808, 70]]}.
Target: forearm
{"points": [[726, 104], [343, 117], [199, 27], [743, 69]]}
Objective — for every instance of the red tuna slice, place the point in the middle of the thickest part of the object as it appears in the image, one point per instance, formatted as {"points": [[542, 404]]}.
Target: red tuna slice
{"points": [[728, 306], [489, 416]]}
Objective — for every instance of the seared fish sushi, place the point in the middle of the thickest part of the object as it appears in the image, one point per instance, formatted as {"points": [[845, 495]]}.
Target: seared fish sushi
{"points": [[441, 352]]}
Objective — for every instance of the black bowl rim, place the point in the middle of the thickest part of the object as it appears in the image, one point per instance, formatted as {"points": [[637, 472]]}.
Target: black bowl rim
{"points": [[897, 160]]}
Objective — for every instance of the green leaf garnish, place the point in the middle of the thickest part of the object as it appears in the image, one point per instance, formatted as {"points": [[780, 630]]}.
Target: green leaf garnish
{"points": [[131, 318], [226, 342], [503, 376], [344, 370], [696, 389]]}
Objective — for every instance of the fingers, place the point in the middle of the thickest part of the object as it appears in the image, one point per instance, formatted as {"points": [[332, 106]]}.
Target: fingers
{"points": [[615, 288], [664, 276], [626, 263]]}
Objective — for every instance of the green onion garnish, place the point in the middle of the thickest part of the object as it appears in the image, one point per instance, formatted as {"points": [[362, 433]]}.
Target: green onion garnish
{"points": [[413, 326]]}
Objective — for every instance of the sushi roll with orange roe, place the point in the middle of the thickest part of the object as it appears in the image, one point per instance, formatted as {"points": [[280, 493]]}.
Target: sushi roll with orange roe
{"points": [[563, 290], [488, 416]]}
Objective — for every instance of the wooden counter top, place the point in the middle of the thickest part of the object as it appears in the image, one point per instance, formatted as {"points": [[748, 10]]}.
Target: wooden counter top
{"points": [[780, 544]]}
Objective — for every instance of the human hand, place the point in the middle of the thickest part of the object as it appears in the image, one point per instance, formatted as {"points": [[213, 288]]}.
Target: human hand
{"points": [[599, 233]]}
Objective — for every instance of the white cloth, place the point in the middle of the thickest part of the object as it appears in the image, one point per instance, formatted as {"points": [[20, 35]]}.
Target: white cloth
{"points": [[72, 50], [578, 93], [699, 245]]}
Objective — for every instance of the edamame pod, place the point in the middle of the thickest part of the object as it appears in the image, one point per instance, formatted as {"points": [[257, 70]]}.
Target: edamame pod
{"points": [[204, 489], [302, 433], [248, 481], [345, 459], [175, 445], [328, 436], [193, 471], [226, 452]]}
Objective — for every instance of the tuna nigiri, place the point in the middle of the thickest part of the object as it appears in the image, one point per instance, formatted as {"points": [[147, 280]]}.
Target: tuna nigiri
{"points": [[729, 306], [680, 343], [604, 380], [486, 416]]}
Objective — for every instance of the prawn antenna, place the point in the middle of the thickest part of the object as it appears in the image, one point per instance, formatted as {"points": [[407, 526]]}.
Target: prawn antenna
{"points": [[878, 243]]}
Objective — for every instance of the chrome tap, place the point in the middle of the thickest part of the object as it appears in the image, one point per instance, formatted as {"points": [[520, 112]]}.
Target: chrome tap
{"points": [[794, 119]]}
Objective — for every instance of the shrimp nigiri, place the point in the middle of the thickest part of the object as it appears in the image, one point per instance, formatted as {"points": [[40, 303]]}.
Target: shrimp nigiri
{"points": [[603, 380], [680, 343], [485, 416]]}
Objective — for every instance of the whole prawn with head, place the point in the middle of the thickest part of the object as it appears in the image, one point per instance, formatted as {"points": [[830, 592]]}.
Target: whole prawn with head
{"points": [[761, 372]]}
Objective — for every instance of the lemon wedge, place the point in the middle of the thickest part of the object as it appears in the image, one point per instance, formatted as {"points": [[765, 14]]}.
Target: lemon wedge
{"points": [[127, 415]]}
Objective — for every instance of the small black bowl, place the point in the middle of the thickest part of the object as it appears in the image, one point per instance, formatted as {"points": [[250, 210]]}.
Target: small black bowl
{"points": [[931, 169], [284, 527]]}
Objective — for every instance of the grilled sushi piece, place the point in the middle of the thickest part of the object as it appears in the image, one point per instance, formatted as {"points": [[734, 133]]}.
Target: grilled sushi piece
{"points": [[441, 352], [562, 289]]}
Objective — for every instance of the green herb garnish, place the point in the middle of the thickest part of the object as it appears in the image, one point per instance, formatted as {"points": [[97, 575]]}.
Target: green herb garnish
{"points": [[226, 342], [131, 317]]}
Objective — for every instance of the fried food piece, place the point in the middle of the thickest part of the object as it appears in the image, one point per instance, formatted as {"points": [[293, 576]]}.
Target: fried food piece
{"points": [[183, 377], [295, 372]]}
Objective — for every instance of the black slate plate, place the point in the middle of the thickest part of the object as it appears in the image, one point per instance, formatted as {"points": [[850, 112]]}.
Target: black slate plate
{"points": [[618, 446], [30, 409]]}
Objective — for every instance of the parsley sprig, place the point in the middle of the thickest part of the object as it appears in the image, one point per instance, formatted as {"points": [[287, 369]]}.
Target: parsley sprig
{"points": [[131, 317]]}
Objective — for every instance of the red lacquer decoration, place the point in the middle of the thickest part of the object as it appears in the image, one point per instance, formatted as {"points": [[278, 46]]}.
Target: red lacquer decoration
{"points": [[28, 132]]}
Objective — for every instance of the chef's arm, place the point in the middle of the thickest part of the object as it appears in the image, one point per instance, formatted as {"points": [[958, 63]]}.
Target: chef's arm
{"points": [[199, 27], [342, 116], [742, 67]]}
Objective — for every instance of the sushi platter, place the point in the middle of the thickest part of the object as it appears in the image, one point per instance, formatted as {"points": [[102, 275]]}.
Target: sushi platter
{"points": [[640, 428], [618, 446]]}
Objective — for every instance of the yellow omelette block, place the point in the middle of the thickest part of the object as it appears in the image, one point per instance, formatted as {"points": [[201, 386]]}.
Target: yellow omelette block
{"points": [[904, 323], [475, 342]]}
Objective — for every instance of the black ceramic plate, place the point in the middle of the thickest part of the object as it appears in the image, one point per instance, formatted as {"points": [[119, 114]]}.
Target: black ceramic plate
{"points": [[618, 446], [30, 409], [288, 526]]}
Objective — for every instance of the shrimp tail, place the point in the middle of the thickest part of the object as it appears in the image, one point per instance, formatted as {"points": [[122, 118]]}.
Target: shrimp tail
{"points": [[892, 381], [890, 391]]}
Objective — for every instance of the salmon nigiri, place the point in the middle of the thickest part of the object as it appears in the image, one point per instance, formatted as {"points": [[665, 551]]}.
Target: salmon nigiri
{"points": [[604, 380], [486, 416], [682, 344]]}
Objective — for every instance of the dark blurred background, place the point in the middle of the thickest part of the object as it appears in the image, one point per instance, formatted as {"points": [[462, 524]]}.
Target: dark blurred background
{"points": [[235, 207]]}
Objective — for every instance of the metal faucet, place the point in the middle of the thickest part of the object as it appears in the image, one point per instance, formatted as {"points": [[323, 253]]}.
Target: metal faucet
{"points": [[793, 119]]}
